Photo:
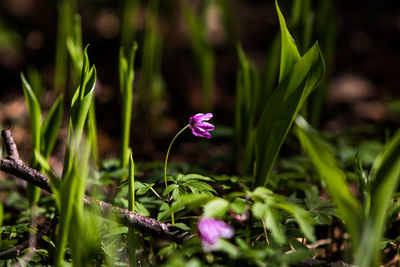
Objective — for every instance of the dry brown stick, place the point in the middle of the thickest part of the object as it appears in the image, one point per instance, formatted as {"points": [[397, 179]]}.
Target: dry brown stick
{"points": [[13, 165]]}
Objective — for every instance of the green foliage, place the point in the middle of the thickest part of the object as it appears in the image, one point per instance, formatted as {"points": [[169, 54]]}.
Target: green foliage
{"points": [[73, 182], [274, 225], [383, 182], [43, 135], [333, 177], [268, 207], [126, 76], [35, 113], [193, 182], [247, 97], [365, 219], [74, 46], [298, 77], [50, 127]]}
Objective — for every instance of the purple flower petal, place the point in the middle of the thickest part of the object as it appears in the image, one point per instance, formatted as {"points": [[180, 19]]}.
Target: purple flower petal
{"points": [[205, 125], [199, 127], [201, 133], [211, 230]]}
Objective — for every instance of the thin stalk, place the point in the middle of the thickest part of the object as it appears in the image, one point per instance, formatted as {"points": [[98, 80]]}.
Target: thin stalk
{"points": [[265, 233], [166, 157], [133, 239], [165, 165]]}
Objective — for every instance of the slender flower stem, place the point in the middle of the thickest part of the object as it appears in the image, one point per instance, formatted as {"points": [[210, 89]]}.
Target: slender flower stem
{"points": [[166, 157], [165, 165]]}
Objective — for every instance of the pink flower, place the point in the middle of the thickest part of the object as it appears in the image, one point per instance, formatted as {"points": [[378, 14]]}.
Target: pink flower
{"points": [[211, 230], [199, 127]]}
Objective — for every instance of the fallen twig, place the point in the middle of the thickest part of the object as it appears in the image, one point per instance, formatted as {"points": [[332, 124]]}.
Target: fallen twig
{"points": [[13, 165]]}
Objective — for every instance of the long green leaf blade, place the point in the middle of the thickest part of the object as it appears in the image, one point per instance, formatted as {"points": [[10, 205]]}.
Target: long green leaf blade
{"points": [[289, 53], [333, 178], [35, 119], [35, 113], [50, 127], [282, 108], [384, 179], [126, 74]]}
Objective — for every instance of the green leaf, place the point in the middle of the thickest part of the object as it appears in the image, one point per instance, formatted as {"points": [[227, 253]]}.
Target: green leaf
{"points": [[141, 209], [200, 187], [187, 202], [301, 216], [272, 222], [182, 226], [384, 180], [35, 114], [48, 240], [296, 256], [194, 177], [35, 119], [289, 53], [54, 180], [238, 205], [247, 101], [126, 76], [50, 127], [333, 177], [169, 189], [142, 188], [282, 108], [216, 208], [228, 248], [270, 216], [80, 106]]}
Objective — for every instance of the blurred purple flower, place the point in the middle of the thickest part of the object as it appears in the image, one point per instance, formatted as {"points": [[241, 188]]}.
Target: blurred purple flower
{"points": [[199, 127], [211, 230], [240, 217]]}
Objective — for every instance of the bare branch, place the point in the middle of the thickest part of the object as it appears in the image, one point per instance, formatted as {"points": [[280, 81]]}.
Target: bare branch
{"points": [[13, 165], [10, 145]]}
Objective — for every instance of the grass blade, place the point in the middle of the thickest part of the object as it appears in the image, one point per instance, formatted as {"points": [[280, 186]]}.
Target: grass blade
{"points": [[35, 119], [126, 74], [50, 127]]}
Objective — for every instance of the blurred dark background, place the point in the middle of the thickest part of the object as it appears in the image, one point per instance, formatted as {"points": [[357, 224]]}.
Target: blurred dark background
{"points": [[362, 86]]}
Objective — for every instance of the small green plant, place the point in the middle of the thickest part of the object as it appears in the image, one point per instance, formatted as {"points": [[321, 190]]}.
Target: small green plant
{"points": [[71, 188], [267, 212], [43, 133], [364, 219]]}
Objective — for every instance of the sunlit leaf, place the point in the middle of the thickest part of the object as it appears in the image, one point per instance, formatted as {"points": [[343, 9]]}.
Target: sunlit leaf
{"points": [[333, 178], [282, 108], [216, 208]]}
